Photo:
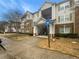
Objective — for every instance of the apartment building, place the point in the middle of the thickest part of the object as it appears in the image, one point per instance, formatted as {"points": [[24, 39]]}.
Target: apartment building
{"points": [[63, 17], [67, 17], [26, 23]]}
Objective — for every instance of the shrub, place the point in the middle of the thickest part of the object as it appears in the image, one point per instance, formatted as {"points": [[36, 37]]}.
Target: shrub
{"points": [[26, 33], [70, 35]]}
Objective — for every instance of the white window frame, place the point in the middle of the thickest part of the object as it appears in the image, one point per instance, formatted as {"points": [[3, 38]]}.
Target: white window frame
{"points": [[64, 30], [61, 30], [67, 30], [67, 18], [61, 8], [61, 19]]}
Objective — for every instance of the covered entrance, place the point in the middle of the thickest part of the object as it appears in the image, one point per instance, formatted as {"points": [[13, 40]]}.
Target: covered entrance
{"points": [[42, 29], [42, 26]]}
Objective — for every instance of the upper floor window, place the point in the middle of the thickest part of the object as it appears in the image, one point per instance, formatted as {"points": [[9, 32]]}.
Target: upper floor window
{"points": [[67, 6], [61, 8], [28, 16], [64, 6], [67, 18], [37, 14], [71, 16], [76, 1], [61, 19]]}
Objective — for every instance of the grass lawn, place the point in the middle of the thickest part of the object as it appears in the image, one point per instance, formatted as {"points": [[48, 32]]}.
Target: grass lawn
{"points": [[15, 36], [64, 45]]}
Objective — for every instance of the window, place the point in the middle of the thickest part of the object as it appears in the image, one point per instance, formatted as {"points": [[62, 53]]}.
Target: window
{"points": [[67, 18], [37, 14], [61, 8], [77, 2], [61, 19], [64, 29], [28, 16], [71, 15], [58, 18], [61, 30], [67, 29], [67, 6]]}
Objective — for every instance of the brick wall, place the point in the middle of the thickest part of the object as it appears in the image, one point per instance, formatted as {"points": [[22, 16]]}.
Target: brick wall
{"points": [[57, 26], [77, 20]]}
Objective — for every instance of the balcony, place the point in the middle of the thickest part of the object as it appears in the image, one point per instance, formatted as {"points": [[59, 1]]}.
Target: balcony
{"points": [[64, 22]]}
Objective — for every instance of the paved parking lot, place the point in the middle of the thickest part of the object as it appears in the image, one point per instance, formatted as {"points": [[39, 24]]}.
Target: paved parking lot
{"points": [[28, 49]]}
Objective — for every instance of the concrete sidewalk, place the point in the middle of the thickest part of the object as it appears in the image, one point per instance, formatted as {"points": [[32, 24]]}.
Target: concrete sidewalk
{"points": [[42, 36]]}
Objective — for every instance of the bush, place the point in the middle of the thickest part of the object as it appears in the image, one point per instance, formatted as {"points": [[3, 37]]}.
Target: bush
{"points": [[26, 33], [70, 35]]}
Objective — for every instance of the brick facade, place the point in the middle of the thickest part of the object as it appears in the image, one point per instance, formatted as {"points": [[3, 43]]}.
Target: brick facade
{"points": [[58, 26], [77, 20]]}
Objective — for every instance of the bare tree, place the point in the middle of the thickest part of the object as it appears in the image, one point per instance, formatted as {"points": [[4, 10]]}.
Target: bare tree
{"points": [[13, 18], [2, 26]]}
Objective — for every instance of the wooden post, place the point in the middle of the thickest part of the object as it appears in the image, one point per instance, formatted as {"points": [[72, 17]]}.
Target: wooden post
{"points": [[48, 36], [49, 40]]}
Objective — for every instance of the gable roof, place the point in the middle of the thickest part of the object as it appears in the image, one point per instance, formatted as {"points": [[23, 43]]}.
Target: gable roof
{"points": [[25, 14], [43, 5]]}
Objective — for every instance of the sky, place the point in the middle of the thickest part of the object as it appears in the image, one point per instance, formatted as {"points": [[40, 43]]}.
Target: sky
{"points": [[21, 5]]}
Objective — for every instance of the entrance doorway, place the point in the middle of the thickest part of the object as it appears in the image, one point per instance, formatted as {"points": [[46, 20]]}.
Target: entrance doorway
{"points": [[42, 29]]}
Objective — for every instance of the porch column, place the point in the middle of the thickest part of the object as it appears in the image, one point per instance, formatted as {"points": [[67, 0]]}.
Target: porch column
{"points": [[6, 29], [35, 31], [51, 30]]}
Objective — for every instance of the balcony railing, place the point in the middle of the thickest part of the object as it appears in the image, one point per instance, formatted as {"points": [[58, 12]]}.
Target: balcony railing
{"points": [[64, 22]]}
